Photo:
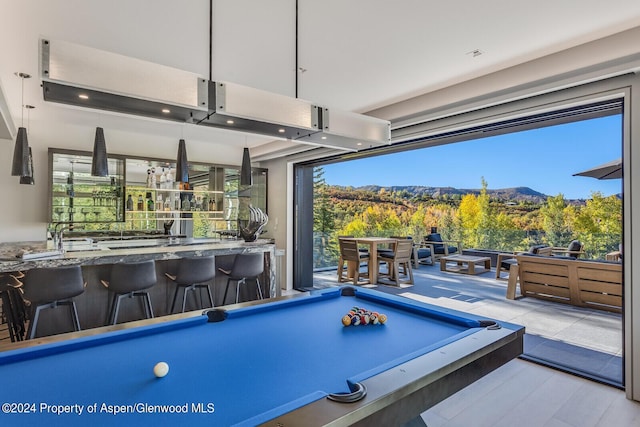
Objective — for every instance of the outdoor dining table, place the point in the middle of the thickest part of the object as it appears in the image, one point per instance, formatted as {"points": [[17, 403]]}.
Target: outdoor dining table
{"points": [[372, 243]]}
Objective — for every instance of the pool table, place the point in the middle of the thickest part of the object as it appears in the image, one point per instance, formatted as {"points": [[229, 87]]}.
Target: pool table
{"points": [[288, 362]]}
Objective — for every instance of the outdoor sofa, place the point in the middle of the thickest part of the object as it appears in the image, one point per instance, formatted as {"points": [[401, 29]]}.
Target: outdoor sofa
{"points": [[584, 283]]}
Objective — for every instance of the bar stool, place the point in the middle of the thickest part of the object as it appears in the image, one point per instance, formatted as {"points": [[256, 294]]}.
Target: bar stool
{"points": [[13, 309], [245, 266], [193, 273], [50, 288], [128, 280]]}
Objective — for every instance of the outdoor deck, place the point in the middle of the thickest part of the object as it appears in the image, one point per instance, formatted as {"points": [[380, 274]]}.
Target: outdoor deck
{"points": [[588, 341]]}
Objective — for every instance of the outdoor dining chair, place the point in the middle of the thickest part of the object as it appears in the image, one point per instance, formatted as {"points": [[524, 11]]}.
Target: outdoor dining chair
{"points": [[400, 258], [350, 255]]}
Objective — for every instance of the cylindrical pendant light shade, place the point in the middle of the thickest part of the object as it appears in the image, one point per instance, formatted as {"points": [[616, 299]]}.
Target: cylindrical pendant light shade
{"points": [[20, 165], [28, 179], [99, 164], [245, 170], [182, 168]]}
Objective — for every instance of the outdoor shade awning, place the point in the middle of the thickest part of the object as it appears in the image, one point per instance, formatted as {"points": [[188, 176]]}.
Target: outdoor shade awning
{"points": [[610, 170]]}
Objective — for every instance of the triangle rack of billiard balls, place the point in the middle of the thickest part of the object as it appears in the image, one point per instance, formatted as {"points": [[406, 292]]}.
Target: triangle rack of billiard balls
{"points": [[359, 316]]}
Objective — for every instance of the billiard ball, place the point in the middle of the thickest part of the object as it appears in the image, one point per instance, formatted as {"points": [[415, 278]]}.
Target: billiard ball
{"points": [[346, 320], [382, 318], [161, 369]]}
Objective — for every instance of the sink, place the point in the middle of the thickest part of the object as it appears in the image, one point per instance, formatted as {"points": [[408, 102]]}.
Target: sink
{"points": [[191, 242], [131, 244], [85, 249], [82, 246]]}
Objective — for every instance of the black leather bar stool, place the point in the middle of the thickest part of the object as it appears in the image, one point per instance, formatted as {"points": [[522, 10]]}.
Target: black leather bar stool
{"points": [[193, 273], [130, 280], [50, 288], [245, 266]]}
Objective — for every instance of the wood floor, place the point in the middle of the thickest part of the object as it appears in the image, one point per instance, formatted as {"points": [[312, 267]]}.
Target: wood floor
{"points": [[525, 394]]}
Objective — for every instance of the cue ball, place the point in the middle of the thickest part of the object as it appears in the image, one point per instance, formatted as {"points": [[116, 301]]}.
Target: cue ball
{"points": [[161, 369]]}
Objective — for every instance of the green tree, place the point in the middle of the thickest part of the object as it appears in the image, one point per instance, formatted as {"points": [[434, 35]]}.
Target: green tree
{"points": [[554, 221], [598, 224], [478, 220], [325, 248]]}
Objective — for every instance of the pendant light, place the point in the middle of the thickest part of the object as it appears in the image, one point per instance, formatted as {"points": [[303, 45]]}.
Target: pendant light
{"points": [[28, 178], [20, 165], [182, 168], [245, 170], [99, 164]]}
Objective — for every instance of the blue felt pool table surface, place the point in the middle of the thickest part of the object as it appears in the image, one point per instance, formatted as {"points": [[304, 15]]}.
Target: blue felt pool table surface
{"points": [[259, 362]]}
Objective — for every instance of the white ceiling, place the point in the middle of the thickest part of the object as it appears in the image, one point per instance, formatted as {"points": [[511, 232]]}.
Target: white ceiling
{"points": [[356, 55]]}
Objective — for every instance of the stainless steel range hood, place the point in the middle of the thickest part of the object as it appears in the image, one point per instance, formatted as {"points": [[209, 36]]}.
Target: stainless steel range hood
{"points": [[87, 77]]}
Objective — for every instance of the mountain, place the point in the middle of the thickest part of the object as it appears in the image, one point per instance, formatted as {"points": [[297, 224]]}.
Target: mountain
{"points": [[515, 194]]}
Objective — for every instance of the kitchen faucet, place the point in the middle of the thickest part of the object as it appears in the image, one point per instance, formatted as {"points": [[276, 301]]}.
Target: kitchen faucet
{"points": [[58, 234]]}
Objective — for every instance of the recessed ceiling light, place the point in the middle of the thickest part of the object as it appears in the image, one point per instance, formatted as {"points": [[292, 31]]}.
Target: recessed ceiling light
{"points": [[323, 137], [281, 130], [83, 96], [166, 110], [359, 143], [475, 53], [229, 122]]}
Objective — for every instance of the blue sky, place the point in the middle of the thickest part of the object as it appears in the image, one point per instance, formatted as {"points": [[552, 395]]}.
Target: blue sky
{"points": [[543, 159]]}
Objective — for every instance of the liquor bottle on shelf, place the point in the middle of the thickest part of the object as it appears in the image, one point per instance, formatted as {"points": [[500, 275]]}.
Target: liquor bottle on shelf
{"points": [[150, 205], [169, 178], [204, 205], [148, 178], [140, 202], [70, 191], [167, 204], [154, 180], [186, 206], [198, 203], [159, 203], [176, 205], [163, 179], [129, 203]]}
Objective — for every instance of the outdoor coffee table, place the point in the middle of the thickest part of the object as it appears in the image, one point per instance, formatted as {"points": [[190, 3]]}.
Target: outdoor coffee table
{"points": [[465, 264]]}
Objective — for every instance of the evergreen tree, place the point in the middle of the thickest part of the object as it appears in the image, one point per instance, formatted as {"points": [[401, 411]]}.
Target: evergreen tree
{"points": [[325, 248]]}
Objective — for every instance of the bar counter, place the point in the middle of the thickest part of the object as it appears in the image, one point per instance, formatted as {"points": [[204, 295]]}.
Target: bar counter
{"points": [[97, 258]]}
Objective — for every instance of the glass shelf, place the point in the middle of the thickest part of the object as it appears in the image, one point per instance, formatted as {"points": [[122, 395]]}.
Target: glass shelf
{"points": [[101, 203], [78, 197]]}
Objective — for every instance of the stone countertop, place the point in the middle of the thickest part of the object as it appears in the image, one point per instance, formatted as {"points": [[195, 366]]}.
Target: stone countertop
{"points": [[85, 253]]}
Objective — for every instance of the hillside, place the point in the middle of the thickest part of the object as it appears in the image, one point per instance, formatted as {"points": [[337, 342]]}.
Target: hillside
{"points": [[515, 194]]}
